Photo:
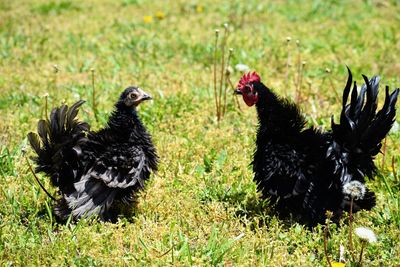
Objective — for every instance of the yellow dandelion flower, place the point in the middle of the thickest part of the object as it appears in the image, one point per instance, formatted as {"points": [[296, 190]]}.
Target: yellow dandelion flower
{"points": [[390, 168], [147, 19], [199, 9], [338, 264], [160, 15]]}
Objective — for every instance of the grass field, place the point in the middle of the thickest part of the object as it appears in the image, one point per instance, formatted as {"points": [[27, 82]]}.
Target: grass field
{"points": [[202, 207]]}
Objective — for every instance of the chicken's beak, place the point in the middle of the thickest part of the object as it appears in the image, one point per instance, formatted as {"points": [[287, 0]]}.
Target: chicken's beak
{"points": [[143, 95], [237, 92], [146, 97]]}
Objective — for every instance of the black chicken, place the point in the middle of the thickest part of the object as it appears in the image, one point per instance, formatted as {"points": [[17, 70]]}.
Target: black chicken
{"points": [[305, 170], [97, 173]]}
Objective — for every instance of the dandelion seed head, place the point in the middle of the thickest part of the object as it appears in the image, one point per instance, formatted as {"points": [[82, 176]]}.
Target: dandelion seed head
{"points": [[242, 67], [395, 127], [354, 189], [365, 234]]}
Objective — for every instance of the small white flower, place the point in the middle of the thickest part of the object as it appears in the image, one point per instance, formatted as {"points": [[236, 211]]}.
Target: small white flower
{"points": [[242, 67], [341, 253], [365, 234], [354, 189], [23, 149]]}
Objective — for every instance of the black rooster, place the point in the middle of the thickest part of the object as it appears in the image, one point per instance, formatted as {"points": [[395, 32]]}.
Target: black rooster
{"points": [[95, 172], [306, 171]]}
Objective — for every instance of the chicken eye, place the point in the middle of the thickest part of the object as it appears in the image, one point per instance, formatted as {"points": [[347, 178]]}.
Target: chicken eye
{"points": [[132, 96], [249, 89]]}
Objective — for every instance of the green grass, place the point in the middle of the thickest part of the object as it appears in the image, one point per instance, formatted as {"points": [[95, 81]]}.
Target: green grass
{"points": [[202, 207]]}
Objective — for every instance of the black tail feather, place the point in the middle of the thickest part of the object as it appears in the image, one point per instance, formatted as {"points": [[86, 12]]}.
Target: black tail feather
{"points": [[34, 141], [361, 128], [54, 137], [381, 124], [357, 139]]}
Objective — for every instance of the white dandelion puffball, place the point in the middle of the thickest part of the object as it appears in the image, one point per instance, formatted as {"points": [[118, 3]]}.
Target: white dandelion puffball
{"points": [[242, 67], [355, 189], [395, 127], [365, 234]]}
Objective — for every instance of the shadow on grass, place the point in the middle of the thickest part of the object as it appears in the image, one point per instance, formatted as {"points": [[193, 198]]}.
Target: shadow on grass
{"points": [[120, 213], [250, 208]]}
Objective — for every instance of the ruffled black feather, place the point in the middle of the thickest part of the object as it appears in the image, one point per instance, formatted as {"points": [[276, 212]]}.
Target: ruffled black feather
{"points": [[305, 170], [94, 171]]}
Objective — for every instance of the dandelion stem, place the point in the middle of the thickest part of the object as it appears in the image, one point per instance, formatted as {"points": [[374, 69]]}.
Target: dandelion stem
{"points": [[222, 70], [351, 248], [299, 97], [326, 230], [361, 253], [94, 107], [394, 170], [233, 88], [227, 73], [287, 62], [384, 153], [45, 106], [215, 72], [299, 67], [55, 70], [333, 89], [54, 82], [37, 179]]}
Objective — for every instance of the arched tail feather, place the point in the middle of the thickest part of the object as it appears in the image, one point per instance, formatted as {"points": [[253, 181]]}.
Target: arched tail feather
{"points": [[361, 128], [54, 137]]}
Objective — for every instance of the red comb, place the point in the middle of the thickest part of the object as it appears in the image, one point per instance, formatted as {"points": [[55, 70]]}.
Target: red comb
{"points": [[248, 78]]}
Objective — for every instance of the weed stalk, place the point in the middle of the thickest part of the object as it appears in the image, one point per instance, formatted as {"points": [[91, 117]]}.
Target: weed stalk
{"points": [[227, 74], [297, 82], [215, 72], [46, 95], [37, 179], [221, 81], [329, 215], [235, 98], [384, 153], [94, 104], [363, 243], [394, 170], [328, 71], [288, 39], [351, 248]]}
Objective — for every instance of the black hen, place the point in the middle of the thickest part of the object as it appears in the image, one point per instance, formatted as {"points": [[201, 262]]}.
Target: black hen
{"points": [[306, 171], [95, 172]]}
